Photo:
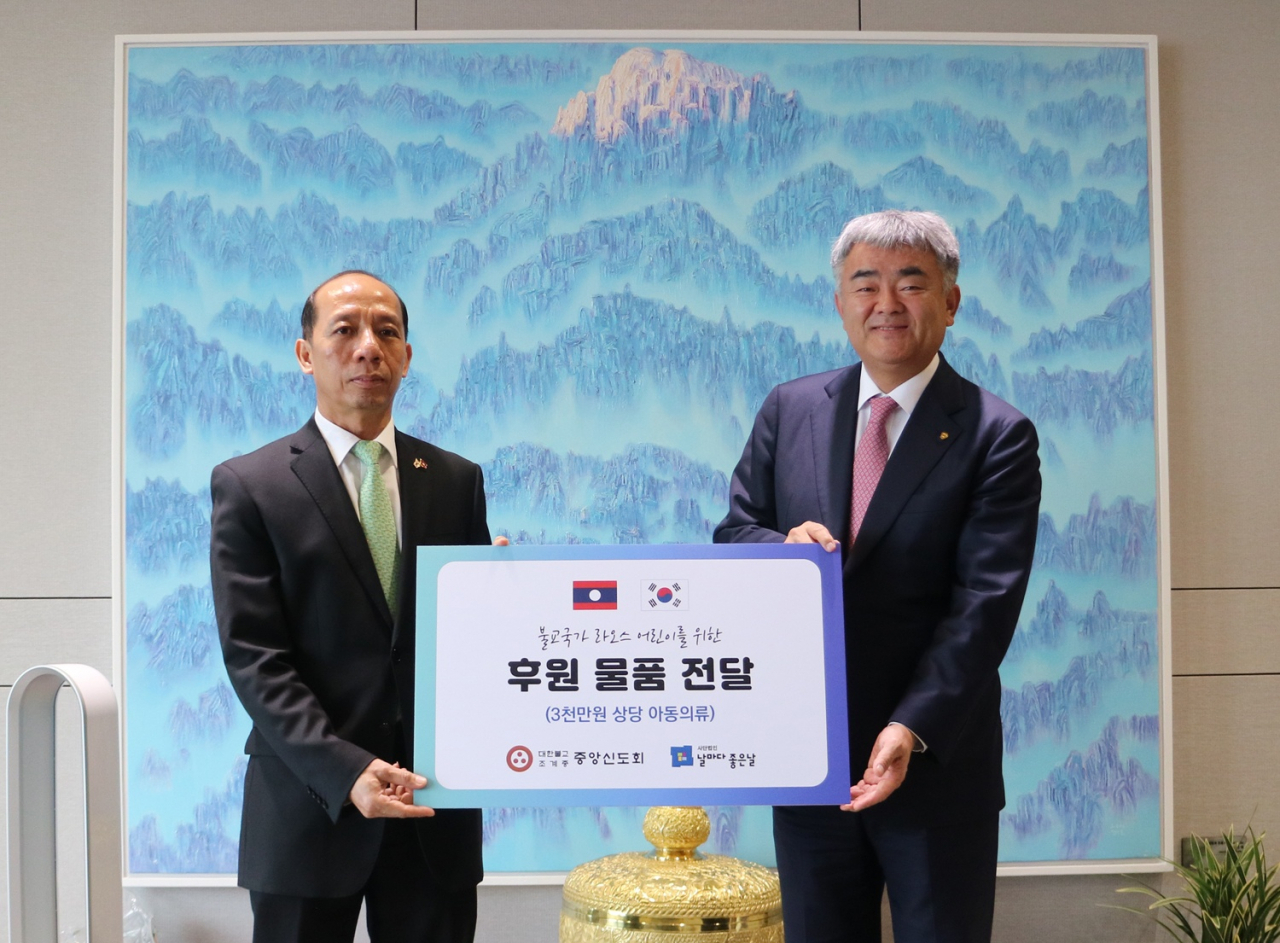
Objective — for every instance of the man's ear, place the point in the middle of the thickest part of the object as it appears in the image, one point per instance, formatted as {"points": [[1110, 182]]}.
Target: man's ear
{"points": [[408, 356], [953, 304], [302, 350]]}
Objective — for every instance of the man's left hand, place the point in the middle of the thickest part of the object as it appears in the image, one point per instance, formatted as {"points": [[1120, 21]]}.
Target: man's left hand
{"points": [[385, 791], [886, 769]]}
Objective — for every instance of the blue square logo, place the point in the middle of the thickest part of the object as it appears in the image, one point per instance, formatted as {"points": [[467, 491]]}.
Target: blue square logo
{"points": [[682, 756]]}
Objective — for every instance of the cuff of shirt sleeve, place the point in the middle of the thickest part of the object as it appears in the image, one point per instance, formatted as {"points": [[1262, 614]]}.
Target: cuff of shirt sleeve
{"points": [[920, 746]]}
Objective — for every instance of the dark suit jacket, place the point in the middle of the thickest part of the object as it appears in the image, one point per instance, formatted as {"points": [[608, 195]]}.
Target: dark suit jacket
{"points": [[317, 661], [935, 580]]}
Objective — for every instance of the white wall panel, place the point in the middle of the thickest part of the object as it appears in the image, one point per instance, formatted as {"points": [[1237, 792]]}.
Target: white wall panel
{"points": [[53, 631], [519, 914], [1226, 755], [1070, 909], [640, 14], [1226, 631]]}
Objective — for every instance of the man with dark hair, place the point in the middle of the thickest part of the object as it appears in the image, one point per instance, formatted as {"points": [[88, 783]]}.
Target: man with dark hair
{"points": [[312, 557], [309, 306], [930, 487]]}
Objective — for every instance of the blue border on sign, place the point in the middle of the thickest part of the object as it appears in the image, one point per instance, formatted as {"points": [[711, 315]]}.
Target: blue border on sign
{"points": [[834, 789]]}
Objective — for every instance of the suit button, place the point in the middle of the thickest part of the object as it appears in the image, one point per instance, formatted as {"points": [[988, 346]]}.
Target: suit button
{"points": [[395, 656]]}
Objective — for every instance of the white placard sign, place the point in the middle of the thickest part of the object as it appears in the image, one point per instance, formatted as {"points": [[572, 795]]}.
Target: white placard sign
{"points": [[630, 675]]}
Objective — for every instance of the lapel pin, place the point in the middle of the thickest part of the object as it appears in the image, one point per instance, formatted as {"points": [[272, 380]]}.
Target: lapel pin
{"points": [[422, 462], [943, 436]]}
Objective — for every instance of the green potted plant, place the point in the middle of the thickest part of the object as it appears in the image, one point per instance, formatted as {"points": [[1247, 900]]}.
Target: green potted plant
{"points": [[1230, 899]]}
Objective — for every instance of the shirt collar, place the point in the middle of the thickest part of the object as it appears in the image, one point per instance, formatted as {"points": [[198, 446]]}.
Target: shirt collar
{"points": [[340, 440], [905, 394]]}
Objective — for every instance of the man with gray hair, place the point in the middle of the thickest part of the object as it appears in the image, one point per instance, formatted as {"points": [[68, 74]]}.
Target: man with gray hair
{"points": [[930, 488]]}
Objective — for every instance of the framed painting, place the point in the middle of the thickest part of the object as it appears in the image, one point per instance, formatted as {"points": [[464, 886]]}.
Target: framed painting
{"points": [[613, 245]]}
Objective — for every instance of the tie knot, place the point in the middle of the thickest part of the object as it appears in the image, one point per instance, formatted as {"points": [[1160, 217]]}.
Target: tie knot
{"points": [[368, 452], [881, 407]]}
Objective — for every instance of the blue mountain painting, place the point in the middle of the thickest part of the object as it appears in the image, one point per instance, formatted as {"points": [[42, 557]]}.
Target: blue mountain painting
{"points": [[611, 253]]}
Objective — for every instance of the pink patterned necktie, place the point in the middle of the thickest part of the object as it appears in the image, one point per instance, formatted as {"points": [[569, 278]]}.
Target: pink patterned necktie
{"points": [[869, 461]]}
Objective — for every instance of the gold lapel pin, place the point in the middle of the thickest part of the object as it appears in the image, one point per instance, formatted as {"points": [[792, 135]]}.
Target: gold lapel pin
{"points": [[422, 462], [943, 436]]}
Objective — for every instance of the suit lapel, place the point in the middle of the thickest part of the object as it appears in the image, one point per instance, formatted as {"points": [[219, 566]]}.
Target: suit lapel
{"points": [[313, 464], [415, 506], [415, 496], [833, 423], [928, 434]]}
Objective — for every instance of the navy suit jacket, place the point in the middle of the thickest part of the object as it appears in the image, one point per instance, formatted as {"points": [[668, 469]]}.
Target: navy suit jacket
{"points": [[935, 580], [316, 659]]}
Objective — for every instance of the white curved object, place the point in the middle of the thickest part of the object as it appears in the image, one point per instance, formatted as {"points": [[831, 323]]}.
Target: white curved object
{"points": [[33, 893]]}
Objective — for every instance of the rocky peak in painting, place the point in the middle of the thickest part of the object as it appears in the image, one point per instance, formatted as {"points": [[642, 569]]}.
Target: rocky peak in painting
{"points": [[658, 90]]}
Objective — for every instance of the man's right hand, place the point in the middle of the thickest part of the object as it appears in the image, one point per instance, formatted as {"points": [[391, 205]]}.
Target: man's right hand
{"points": [[385, 791], [811, 532]]}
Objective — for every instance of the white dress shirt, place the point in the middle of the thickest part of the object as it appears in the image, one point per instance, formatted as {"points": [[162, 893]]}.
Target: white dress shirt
{"points": [[340, 442], [906, 395]]}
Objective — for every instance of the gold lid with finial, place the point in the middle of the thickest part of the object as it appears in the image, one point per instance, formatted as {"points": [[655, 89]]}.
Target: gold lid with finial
{"points": [[650, 898]]}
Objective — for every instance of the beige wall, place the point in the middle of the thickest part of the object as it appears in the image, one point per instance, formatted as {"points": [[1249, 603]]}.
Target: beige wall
{"points": [[1219, 111]]}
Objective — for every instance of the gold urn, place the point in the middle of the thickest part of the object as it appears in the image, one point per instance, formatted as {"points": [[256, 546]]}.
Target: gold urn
{"points": [[672, 893]]}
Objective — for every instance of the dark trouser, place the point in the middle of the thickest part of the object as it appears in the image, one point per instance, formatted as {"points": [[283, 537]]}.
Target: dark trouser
{"points": [[834, 867], [406, 904]]}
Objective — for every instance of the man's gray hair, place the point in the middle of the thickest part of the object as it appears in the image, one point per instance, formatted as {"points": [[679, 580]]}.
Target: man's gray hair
{"points": [[889, 229]]}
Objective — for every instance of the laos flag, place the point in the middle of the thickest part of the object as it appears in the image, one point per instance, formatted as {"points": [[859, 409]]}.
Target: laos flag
{"points": [[595, 594]]}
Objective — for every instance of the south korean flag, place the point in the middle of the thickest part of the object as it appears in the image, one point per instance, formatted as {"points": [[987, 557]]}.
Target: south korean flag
{"points": [[665, 594]]}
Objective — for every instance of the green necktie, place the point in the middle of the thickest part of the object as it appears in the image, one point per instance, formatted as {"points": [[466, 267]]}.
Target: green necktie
{"points": [[379, 520]]}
